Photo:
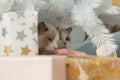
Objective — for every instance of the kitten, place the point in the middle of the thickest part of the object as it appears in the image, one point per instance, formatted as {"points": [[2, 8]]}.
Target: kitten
{"points": [[48, 37], [65, 40]]}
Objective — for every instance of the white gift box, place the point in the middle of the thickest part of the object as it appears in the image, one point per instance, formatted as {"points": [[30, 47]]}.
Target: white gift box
{"points": [[18, 33], [32, 68]]}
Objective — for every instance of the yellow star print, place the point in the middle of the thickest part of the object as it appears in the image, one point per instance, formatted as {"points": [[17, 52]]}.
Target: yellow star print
{"points": [[25, 50], [8, 50]]}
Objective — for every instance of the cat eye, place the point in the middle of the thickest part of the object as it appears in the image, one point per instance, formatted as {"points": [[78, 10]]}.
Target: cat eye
{"points": [[50, 39], [67, 39]]}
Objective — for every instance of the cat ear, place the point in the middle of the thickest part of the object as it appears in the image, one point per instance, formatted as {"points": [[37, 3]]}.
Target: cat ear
{"points": [[58, 28], [69, 29], [42, 27]]}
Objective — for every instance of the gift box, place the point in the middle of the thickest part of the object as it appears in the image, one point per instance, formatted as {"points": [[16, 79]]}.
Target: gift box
{"points": [[93, 68], [18, 31], [116, 2], [32, 68]]}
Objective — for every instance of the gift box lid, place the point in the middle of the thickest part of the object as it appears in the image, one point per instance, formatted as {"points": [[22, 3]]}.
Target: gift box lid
{"points": [[32, 68]]}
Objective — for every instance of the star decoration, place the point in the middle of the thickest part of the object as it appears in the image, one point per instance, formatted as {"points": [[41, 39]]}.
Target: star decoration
{"points": [[32, 14], [35, 40], [20, 14], [0, 18], [12, 19], [34, 29], [23, 23], [21, 35], [25, 50], [8, 50], [4, 32], [58, 18], [37, 53]]}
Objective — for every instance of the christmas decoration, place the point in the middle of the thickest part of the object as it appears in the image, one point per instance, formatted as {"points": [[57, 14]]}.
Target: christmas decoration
{"points": [[18, 28], [93, 68]]}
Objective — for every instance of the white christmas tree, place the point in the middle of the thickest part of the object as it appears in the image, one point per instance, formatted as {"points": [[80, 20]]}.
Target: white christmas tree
{"points": [[86, 14]]}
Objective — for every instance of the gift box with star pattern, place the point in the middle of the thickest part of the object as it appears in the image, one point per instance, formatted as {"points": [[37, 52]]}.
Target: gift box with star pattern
{"points": [[18, 31]]}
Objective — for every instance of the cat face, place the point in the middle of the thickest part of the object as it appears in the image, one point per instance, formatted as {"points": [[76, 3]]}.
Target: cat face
{"points": [[48, 37], [65, 40]]}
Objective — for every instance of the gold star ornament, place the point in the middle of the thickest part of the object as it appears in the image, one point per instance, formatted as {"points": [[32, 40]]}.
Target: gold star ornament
{"points": [[25, 50], [8, 50]]}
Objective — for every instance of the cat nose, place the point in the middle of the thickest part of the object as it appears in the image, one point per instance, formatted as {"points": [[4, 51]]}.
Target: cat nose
{"points": [[65, 43], [55, 48]]}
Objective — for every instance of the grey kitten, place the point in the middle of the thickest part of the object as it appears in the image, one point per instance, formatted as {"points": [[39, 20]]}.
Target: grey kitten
{"points": [[65, 40], [48, 37]]}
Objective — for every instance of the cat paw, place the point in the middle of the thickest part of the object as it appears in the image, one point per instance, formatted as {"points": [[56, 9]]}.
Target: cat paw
{"points": [[68, 52]]}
